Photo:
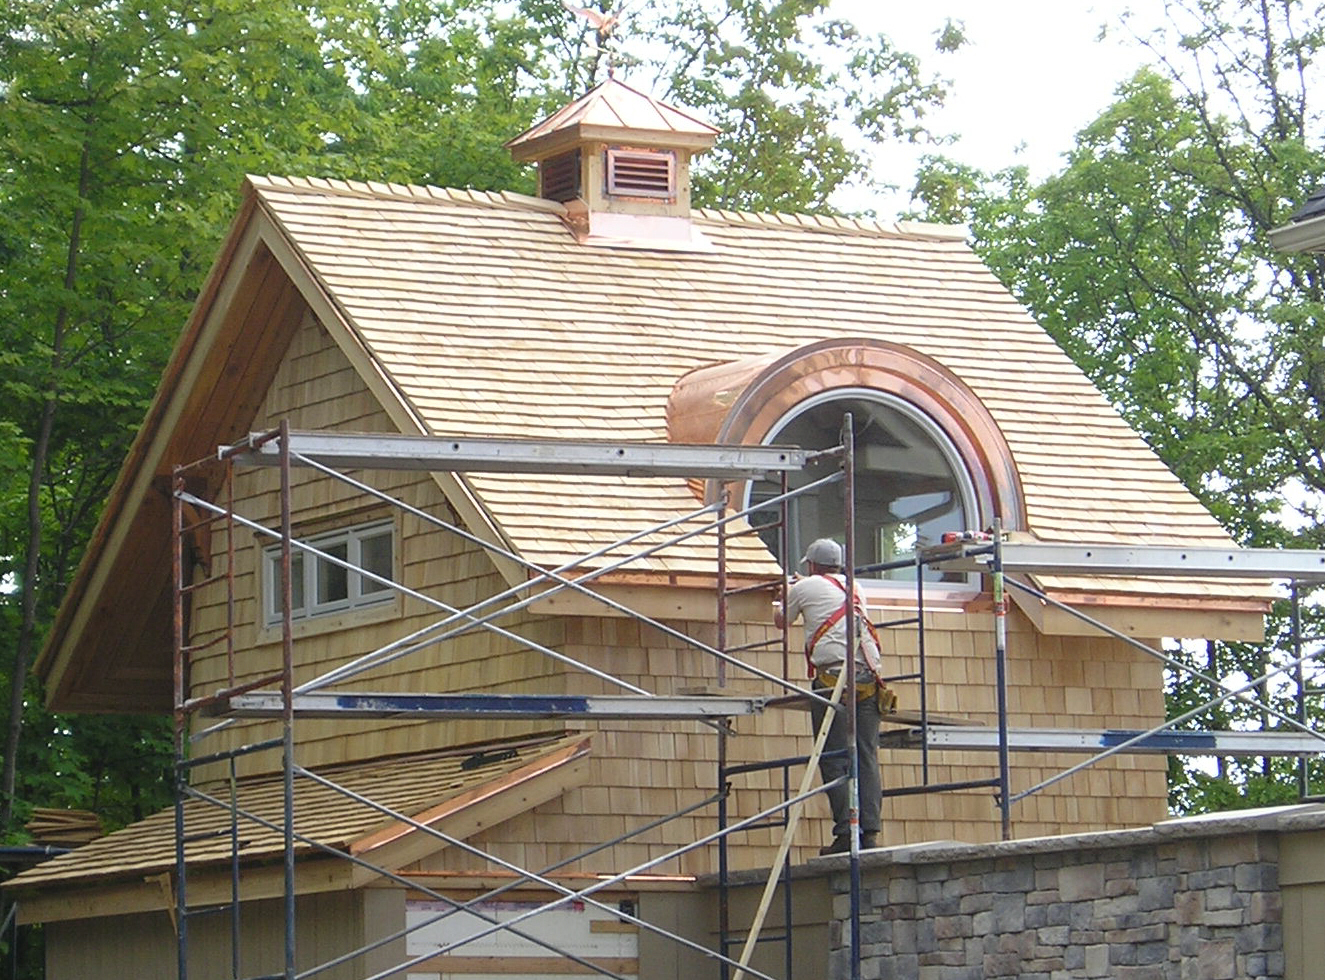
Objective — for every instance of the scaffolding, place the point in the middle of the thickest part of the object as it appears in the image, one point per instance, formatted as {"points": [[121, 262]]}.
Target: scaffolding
{"points": [[198, 518]]}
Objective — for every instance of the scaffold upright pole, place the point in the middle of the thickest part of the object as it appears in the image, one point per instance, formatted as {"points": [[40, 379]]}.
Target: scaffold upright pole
{"points": [[1001, 678], [848, 703]]}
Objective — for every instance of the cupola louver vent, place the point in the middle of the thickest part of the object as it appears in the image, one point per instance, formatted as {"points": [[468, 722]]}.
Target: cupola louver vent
{"points": [[641, 173], [560, 177]]}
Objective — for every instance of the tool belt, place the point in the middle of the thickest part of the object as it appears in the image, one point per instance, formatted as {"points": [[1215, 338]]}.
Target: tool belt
{"points": [[826, 677]]}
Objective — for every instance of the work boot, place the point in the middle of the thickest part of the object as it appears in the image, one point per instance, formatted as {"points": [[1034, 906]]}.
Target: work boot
{"points": [[841, 845], [869, 842]]}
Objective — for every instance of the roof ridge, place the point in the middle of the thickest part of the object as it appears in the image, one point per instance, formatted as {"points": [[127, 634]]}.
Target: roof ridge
{"points": [[918, 230], [389, 190], [383, 190]]}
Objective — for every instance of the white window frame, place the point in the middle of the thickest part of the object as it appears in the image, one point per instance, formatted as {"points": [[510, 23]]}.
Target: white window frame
{"points": [[305, 601], [965, 485]]}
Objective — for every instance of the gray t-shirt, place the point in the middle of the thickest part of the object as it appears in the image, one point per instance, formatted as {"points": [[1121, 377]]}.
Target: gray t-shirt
{"points": [[818, 597]]}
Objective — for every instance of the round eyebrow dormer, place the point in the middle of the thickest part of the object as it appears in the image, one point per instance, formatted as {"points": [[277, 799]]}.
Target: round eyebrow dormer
{"points": [[757, 400]]}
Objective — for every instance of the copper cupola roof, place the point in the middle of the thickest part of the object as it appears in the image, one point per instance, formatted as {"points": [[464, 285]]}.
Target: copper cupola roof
{"points": [[619, 162], [613, 112]]}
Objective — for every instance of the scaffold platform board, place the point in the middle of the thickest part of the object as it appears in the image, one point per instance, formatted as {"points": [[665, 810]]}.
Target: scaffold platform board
{"points": [[972, 738], [383, 451], [325, 704], [1303, 564]]}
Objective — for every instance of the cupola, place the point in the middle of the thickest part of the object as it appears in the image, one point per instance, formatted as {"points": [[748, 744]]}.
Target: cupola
{"points": [[619, 160]]}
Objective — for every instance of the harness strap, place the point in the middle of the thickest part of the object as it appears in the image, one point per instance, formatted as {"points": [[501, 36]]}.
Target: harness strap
{"points": [[871, 657]]}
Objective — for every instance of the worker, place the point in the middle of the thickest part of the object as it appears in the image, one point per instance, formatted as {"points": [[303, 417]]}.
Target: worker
{"points": [[821, 597]]}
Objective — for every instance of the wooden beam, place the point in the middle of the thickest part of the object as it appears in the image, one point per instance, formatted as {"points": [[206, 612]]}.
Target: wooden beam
{"points": [[1208, 620], [400, 844]]}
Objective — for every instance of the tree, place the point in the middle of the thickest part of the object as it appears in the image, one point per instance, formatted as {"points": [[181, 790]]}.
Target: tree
{"points": [[1147, 258], [125, 129]]}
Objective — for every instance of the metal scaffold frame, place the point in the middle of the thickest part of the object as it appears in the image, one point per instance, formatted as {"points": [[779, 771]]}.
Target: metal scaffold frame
{"points": [[277, 696]]}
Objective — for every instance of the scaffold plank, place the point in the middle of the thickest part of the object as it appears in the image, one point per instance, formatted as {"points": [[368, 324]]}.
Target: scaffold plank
{"points": [[1091, 741], [384, 451], [326, 704], [1150, 560]]}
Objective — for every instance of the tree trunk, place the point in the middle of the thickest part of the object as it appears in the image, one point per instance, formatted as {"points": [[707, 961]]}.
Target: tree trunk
{"points": [[41, 448]]}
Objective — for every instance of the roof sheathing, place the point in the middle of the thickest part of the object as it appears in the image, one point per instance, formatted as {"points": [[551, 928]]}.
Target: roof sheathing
{"points": [[494, 321]]}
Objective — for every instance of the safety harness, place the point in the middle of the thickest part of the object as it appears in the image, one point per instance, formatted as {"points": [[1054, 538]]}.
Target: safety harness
{"points": [[848, 602]]}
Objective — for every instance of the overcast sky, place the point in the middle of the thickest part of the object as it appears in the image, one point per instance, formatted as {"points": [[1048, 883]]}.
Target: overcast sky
{"points": [[1032, 73]]}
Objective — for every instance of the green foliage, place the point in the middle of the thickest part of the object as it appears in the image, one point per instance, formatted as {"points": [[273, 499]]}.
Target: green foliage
{"points": [[1148, 260], [793, 92], [126, 127]]}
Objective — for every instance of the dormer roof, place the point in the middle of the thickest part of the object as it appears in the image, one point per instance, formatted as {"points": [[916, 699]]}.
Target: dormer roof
{"points": [[613, 112]]}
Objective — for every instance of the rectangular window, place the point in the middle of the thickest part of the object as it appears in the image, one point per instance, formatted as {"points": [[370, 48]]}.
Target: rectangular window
{"points": [[321, 584]]}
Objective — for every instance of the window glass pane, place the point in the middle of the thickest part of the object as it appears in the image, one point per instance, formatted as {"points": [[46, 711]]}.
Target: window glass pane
{"points": [[375, 557], [297, 592], [333, 581], [296, 583], [908, 491]]}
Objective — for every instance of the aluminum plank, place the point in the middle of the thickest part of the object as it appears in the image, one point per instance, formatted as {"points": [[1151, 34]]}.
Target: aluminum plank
{"points": [[1091, 741], [326, 704], [384, 451]]}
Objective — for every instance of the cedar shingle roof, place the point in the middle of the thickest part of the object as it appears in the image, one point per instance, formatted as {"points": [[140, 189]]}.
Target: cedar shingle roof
{"points": [[492, 320], [415, 787]]}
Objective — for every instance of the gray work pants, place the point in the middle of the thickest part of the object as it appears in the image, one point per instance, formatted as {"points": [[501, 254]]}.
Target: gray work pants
{"points": [[867, 751]]}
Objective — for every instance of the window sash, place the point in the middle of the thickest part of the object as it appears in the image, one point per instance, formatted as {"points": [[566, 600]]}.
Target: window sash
{"points": [[321, 587]]}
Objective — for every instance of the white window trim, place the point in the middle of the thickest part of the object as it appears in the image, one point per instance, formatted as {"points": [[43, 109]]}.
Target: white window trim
{"points": [[885, 589], [306, 606]]}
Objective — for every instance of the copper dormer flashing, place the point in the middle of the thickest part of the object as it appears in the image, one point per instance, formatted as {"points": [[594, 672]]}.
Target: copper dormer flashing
{"points": [[620, 162]]}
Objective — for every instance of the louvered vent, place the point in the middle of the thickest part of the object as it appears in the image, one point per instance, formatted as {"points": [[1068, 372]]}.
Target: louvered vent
{"points": [[641, 173], [560, 177]]}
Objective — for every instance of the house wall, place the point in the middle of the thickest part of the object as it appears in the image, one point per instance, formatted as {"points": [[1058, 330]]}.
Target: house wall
{"points": [[145, 944], [316, 388], [645, 769]]}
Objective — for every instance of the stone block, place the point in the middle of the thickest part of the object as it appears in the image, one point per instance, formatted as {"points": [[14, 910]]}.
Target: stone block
{"points": [[933, 873], [1001, 965], [1213, 878], [971, 904], [928, 891], [1260, 937], [1155, 893], [1081, 915], [875, 933], [1009, 913], [1143, 864], [902, 890], [1097, 961], [1225, 918], [952, 927], [1190, 906], [1011, 880], [1156, 932], [925, 940], [1216, 960], [1148, 954], [1139, 973], [1114, 887], [904, 937], [1082, 882], [1265, 907], [899, 968], [982, 923], [1052, 936], [1256, 877], [1042, 896]]}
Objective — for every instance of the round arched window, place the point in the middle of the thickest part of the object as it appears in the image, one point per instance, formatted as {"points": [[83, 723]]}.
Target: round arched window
{"points": [[910, 485]]}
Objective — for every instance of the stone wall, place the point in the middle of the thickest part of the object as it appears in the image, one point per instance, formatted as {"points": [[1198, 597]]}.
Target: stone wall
{"points": [[1192, 899]]}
